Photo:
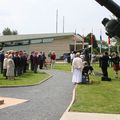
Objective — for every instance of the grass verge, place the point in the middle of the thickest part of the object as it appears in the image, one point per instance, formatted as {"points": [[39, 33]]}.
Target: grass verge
{"points": [[98, 97], [28, 78]]}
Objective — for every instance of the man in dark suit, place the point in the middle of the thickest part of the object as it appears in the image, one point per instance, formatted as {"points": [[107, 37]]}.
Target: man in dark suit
{"points": [[104, 65]]}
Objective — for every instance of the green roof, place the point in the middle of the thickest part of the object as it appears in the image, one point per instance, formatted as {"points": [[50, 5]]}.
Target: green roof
{"points": [[11, 38]]}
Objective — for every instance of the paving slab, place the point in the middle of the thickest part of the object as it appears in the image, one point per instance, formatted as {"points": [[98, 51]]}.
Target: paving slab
{"points": [[10, 102], [89, 116]]}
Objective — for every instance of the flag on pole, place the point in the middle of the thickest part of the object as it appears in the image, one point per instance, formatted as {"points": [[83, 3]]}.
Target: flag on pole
{"points": [[108, 40], [91, 39], [83, 41], [100, 36]]}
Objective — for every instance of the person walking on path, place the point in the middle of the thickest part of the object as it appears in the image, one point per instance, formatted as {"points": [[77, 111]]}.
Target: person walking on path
{"points": [[77, 67]]}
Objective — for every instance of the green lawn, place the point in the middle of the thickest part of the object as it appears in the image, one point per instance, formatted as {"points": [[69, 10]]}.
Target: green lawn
{"points": [[28, 78], [63, 66], [98, 97]]}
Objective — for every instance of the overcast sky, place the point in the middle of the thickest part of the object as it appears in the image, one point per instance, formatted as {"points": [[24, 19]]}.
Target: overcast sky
{"points": [[39, 16]]}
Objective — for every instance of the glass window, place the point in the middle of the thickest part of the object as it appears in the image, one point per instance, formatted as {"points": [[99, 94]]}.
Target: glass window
{"points": [[37, 41]]}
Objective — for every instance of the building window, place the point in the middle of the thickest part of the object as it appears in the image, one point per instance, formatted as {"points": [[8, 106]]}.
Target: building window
{"points": [[49, 40], [45, 40], [36, 41]]}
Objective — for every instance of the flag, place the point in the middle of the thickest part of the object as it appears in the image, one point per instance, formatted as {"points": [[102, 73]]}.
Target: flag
{"points": [[100, 37], [91, 39], [83, 39], [108, 40]]}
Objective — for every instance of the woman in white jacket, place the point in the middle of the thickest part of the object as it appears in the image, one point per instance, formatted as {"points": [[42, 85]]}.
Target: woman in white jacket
{"points": [[77, 67]]}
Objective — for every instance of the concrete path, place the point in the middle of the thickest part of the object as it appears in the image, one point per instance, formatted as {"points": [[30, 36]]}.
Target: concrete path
{"points": [[47, 101]]}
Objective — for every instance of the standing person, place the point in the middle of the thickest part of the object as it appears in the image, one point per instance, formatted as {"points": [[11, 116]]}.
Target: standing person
{"points": [[5, 65], [10, 68], [49, 56], [44, 60], [72, 56], [1, 60], [77, 67], [104, 64], [31, 61], [35, 62], [41, 60], [16, 60], [53, 59], [116, 60]]}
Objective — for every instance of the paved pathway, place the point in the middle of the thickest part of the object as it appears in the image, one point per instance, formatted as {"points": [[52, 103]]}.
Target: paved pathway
{"points": [[47, 101]]}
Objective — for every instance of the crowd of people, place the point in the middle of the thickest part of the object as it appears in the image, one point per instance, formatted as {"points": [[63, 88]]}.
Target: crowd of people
{"points": [[15, 63], [81, 66]]}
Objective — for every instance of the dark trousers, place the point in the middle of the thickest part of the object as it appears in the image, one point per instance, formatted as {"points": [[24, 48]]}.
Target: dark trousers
{"points": [[105, 72]]}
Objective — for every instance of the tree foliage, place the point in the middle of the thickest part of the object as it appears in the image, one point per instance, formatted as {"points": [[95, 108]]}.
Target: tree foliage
{"points": [[88, 39], [7, 31]]}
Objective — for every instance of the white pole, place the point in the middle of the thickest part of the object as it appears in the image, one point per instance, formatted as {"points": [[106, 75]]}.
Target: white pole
{"points": [[100, 48], [91, 52], [100, 41], [75, 42], [63, 24], [118, 48], [57, 21], [91, 40], [109, 49]]}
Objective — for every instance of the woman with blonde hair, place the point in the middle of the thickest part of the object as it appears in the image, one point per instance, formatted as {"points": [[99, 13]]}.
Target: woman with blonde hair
{"points": [[77, 67]]}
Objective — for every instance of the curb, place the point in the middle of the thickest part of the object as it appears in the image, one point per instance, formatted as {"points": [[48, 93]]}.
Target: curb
{"points": [[72, 101]]}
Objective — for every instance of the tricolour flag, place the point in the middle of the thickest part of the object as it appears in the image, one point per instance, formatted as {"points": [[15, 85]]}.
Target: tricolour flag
{"points": [[100, 36], [108, 40], [83, 39], [91, 39]]}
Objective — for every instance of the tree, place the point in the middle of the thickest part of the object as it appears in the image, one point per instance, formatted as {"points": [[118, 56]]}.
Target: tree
{"points": [[88, 39], [14, 32], [7, 31]]}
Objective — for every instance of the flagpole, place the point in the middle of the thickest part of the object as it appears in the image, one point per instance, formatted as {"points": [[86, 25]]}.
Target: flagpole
{"points": [[57, 21], [109, 49], [118, 48], [109, 45], [63, 24], [74, 41], [83, 42], [91, 40], [100, 41]]}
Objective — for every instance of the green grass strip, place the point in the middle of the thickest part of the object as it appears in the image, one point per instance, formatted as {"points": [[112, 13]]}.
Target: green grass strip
{"points": [[28, 78]]}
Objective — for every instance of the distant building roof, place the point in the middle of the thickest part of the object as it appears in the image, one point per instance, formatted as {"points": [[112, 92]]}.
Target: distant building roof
{"points": [[11, 38]]}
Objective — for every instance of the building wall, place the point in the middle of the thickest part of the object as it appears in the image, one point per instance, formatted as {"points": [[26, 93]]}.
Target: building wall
{"points": [[60, 46]]}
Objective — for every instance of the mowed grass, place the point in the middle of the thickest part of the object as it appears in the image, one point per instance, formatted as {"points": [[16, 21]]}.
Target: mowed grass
{"points": [[98, 97], [28, 78], [63, 66]]}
